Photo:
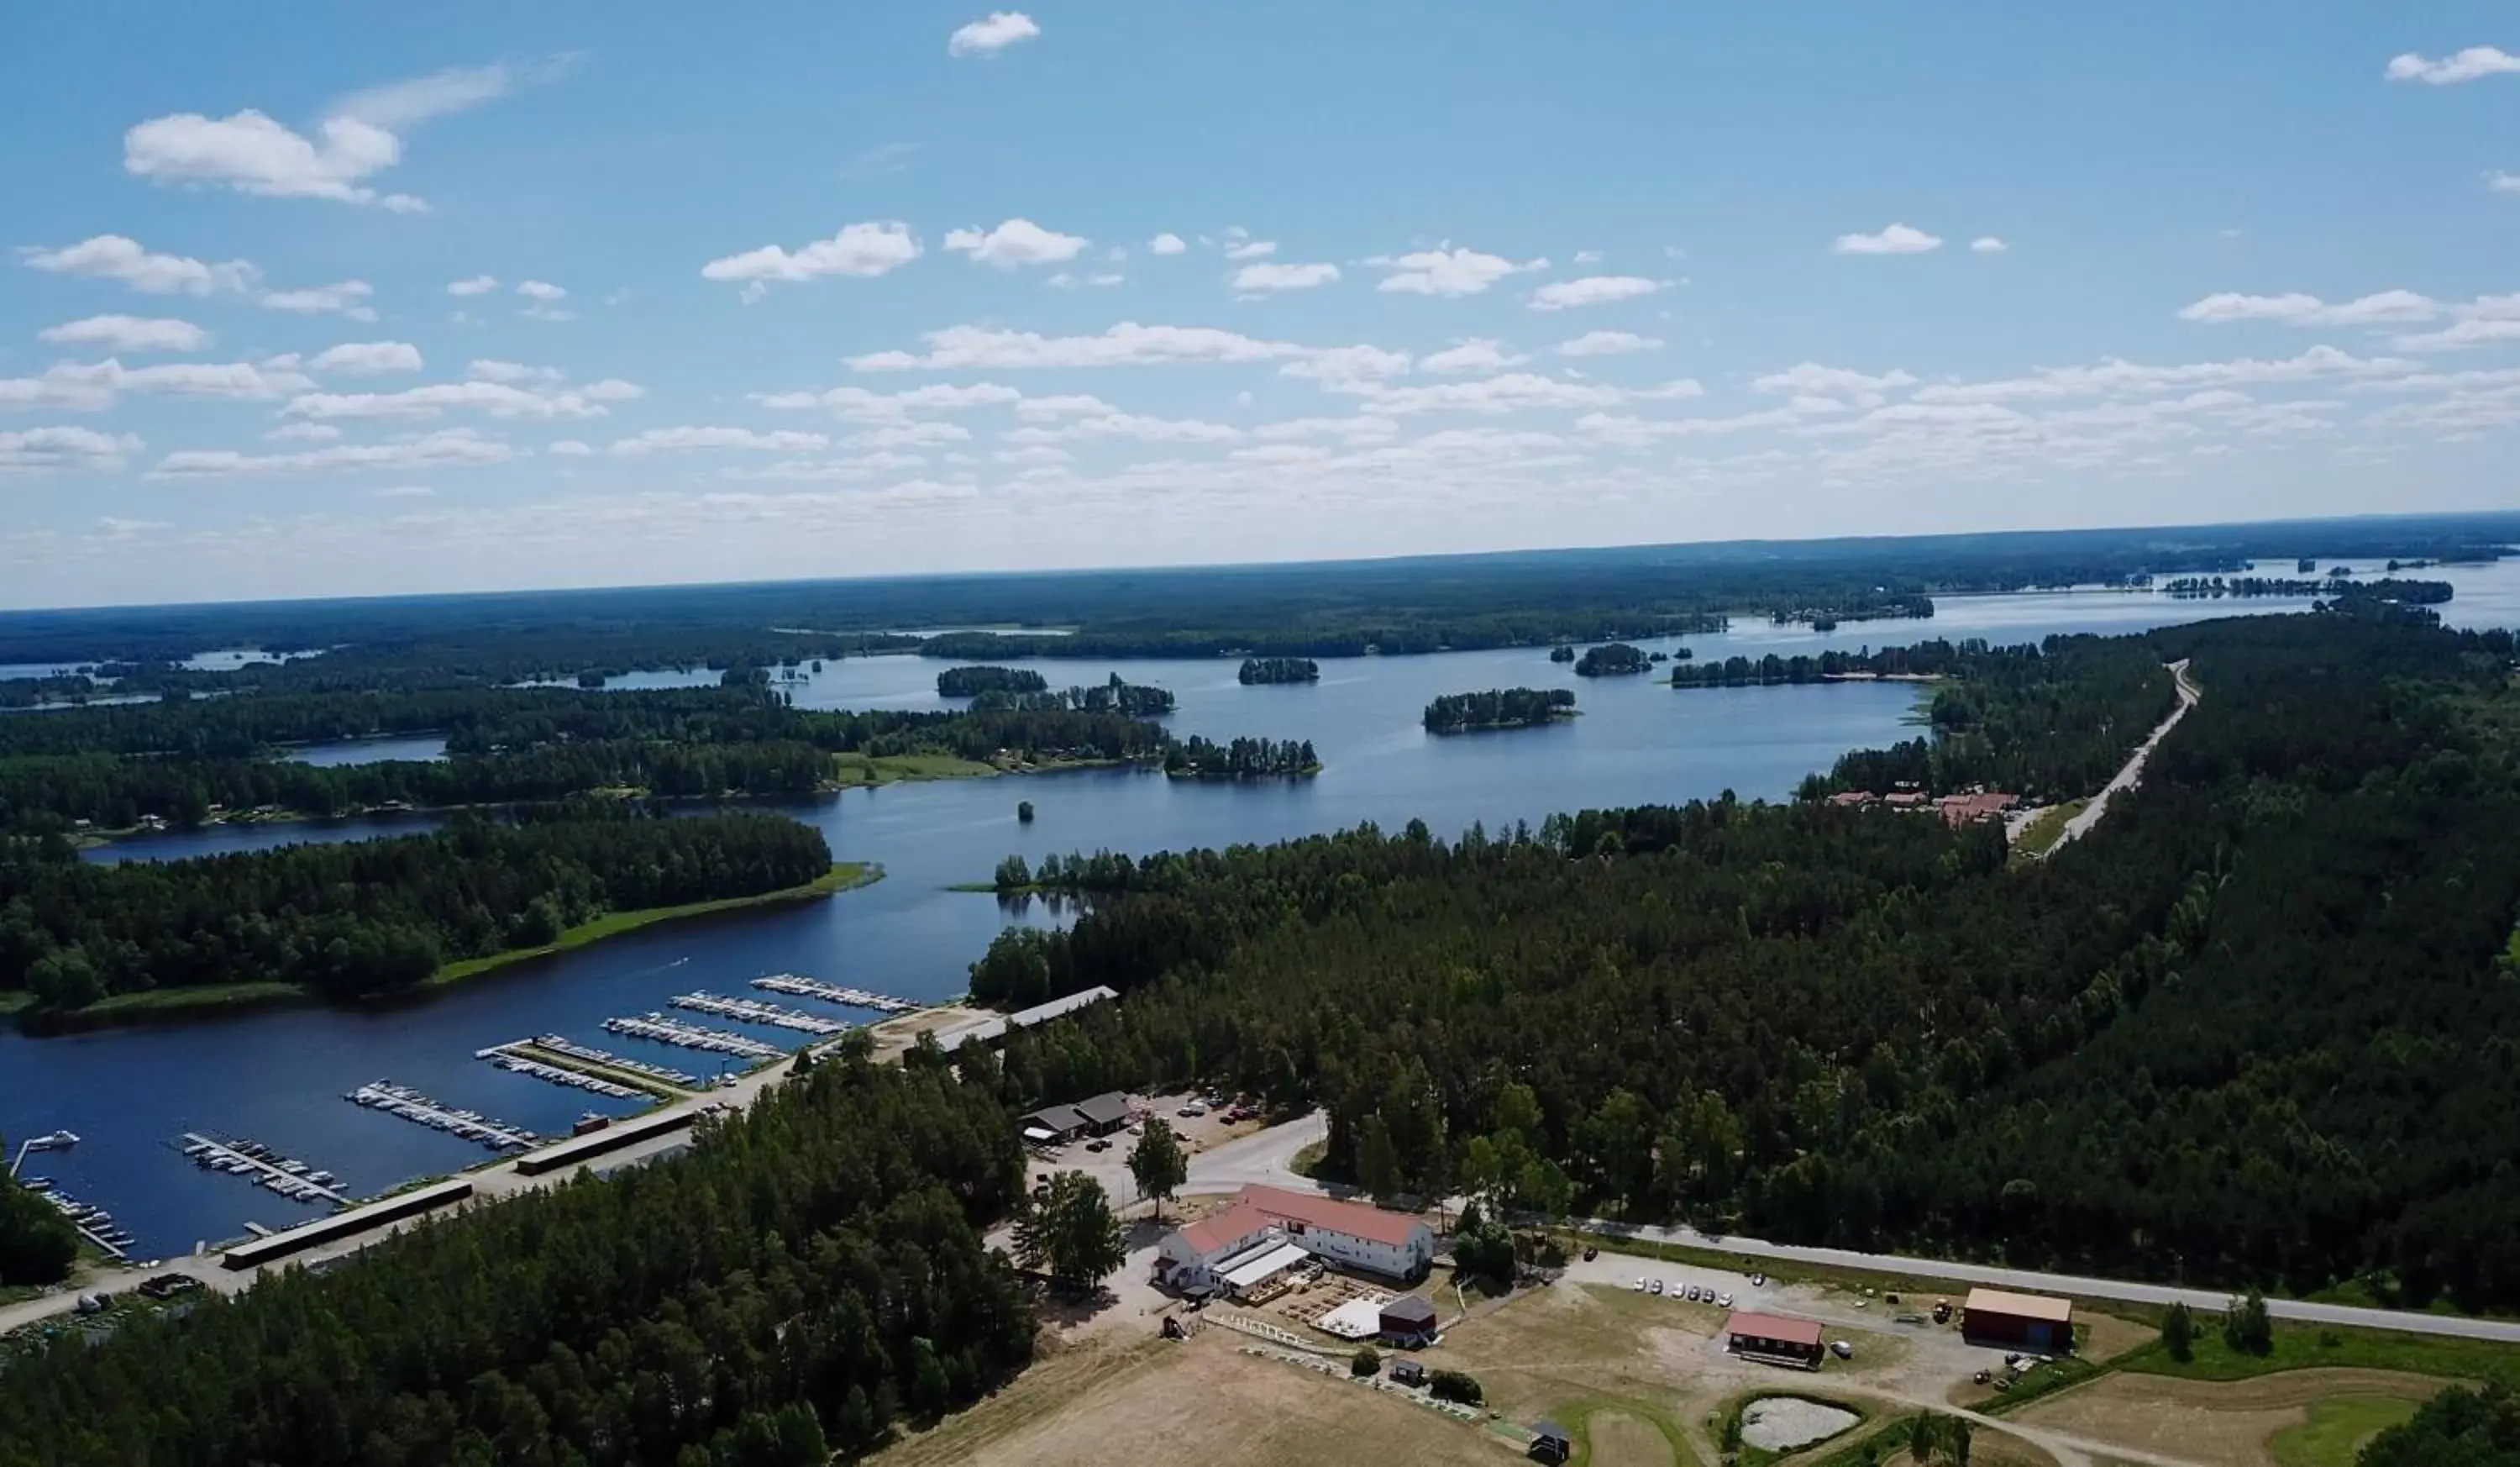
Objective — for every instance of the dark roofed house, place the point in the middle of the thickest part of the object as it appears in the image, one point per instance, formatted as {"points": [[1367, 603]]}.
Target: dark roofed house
{"points": [[1053, 1123], [1104, 1114], [1408, 1320], [1550, 1442], [1777, 1338]]}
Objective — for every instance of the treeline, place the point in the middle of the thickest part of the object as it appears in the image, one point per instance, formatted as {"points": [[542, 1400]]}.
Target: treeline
{"points": [[1336, 636], [1117, 696], [807, 1277], [1497, 708], [1268, 669], [1612, 659], [2403, 592], [1200, 758], [1879, 606], [966, 682], [37, 1243], [2253, 1029], [1933, 659], [368, 917]]}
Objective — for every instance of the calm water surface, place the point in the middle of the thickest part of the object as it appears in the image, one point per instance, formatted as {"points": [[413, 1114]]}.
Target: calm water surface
{"points": [[278, 1076]]}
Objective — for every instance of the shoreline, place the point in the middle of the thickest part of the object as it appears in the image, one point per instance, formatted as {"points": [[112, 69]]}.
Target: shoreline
{"points": [[175, 1005]]}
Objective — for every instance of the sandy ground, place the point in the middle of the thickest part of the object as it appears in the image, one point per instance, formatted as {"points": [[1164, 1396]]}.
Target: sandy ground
{"points": [[2227, 1424], [1782, 1424]]}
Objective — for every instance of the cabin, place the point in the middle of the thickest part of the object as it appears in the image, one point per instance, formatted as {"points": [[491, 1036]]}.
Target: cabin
{"points": [[1774, 1338], [1550, 1442], [1407, 1321], [2021, 1321]]}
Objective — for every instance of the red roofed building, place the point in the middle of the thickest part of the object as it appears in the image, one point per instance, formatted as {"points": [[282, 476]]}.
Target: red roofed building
{"points": [[1779, 1338], [1262, 1222]]}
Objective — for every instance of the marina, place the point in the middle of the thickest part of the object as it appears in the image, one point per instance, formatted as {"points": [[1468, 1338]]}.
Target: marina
{"points": [[659, 1028], [418, 1109], [516, 1064], [556, 1044], [754, 1011], [264, 1168], [799, 986], [94, 1224]]}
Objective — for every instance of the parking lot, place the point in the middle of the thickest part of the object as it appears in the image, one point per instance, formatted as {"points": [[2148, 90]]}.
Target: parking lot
{"points": [[1105, 1159]]}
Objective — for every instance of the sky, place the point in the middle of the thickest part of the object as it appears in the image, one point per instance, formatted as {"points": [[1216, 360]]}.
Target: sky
{"points": [[332, 299]]}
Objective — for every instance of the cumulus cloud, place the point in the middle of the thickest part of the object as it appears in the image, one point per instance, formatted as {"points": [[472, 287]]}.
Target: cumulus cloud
{"points": [[359, 137], [491, 369], [1252, 250], [1130, 426], [2471, 64], [858, 406], [48, 450], [474, 285], [368, 358], [304, 433], [569, 449], [540, 290], [1264, 278], [1475, 354], [2383, 308], [93, 386], [858, 249], [1513, 392], [1015, 243], [1126, 345], [1898, 239], [406, 492], [127, 334], [992, 34], [2115, 377], [1987, 243], [1607, 343], [1447, 271], [112, 256], [1166, 243], [685, 439], [447, 447], [1593, 290], [497, 399], [349, 298], [1345, 364]]}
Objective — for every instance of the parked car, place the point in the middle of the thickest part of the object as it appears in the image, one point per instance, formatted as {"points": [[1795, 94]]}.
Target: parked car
{"points": [[1098, 1145], [1723, 1301], [1408, 1373], [1193, 1110], [1656, 1287], [1842, 1350], [1640, 1283], [1758, 1281]]}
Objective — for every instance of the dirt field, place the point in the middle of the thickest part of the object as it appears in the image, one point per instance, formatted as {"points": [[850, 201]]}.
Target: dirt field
{"points": [[2232, 1424], [1201, 1401], [1619, 1440]]}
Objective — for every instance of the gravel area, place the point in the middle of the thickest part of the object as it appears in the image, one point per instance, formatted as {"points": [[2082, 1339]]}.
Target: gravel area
{"points": [[1783, 1423]]}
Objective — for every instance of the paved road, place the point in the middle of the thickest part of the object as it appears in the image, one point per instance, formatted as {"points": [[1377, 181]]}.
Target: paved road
{"points": [[2131, 774]]}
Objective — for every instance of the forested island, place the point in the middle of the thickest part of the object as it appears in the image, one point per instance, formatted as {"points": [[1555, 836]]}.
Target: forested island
{"points": [[1499, 707], [1115, 696], [1612, 659], [966, 682], [1924, 659], [1198, 758], [1271, 670], [2150, 1052], [2387, 588]]}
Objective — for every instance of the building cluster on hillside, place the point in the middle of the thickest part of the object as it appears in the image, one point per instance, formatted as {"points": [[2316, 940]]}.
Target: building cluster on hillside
{"points": [[1964, 808], [1265, 1232], [1096, 1116]]}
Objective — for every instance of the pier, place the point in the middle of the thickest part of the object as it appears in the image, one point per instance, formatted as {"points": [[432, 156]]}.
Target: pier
{"points": [[857, 998], [468, 1125], [754, 1011], [663, 1031], [558, 1045], [95, 1224], [257, 1164], [576, 1079]]}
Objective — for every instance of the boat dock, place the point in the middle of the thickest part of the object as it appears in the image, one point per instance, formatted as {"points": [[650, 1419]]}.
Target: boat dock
{"points": [[754, 1011], [856, 998], [468, 1125], [95, 1224], [664, 1030], [264, 1168], [576, 1079], [556, 1044]]}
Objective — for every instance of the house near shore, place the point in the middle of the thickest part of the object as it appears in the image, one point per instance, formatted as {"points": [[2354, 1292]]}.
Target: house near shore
{"points": [[1265, 1232]]}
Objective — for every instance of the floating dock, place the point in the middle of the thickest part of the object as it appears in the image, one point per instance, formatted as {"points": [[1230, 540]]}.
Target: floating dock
{"points": [[469, 1125], [663, 1031], [857, 998], [533, 1069], [564, 1048], [754, 1011], [261, 1164], [94, 1224]]}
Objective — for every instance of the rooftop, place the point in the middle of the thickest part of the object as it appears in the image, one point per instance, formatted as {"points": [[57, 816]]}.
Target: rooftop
{"points": [[1212, 1234], [1409, 1309], [1357, 1220], [1784, 1329], [2024, 1305]]}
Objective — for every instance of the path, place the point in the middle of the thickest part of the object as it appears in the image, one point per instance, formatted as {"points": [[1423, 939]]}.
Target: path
{"points": [[2133, 775]]}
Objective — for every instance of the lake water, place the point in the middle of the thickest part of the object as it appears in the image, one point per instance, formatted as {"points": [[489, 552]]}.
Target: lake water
{"points": [[278, 1076], [369, 751]]}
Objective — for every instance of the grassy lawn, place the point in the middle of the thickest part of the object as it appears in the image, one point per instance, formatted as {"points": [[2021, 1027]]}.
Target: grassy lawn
{"points": [[840, 878], [2336, 1431], [2046, 829], [2300, 1347], [862, 771], [178, 1000]]}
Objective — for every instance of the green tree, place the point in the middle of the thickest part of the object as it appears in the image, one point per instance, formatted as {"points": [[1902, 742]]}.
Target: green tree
{"points": [[1158, 1165], [1071, 1233], [1377, 1160], [2247, 1327], [2178, 1332], [1364, 1362]]}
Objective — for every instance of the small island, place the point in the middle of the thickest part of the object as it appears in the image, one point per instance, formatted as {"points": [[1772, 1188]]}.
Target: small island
{"points": [[1199, 757], [1499, 707], [970, 682], [1267, 669], [1612, 659], [1134, 700], [1562, 653]]}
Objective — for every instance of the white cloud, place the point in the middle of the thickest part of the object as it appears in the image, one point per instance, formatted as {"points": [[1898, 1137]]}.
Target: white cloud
{"points": [[1590, 256], [490, 369], [569, 449], [1252, 250], [497, 399], [447, 447], [251, 153], [1447, 271], [1126, 345], [1811, 380], [923, 432], [111, 256], [1594, 290], [2475, 331], [1898, 239], [1166, 243], [94, 386], [1016, 243], [368, 358], [1362, 428], [2118, 378], [406, 492], [1475, 354], [1513, 391], [2386, 307], [1348, 364], [1130, 426], [992, 34], [46, 450], [349, 298], [858, 249], [1275, 277], [128, 333], [476, 285], [682, 440], [2471, 64], [1067, 282], [541, 290], [858, 406], [304, 433], [1038, 453], [1607, 343], [1987, 243]]}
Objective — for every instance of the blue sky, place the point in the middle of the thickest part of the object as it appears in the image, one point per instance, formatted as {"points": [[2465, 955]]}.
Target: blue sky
{"points": [[330, 299]]}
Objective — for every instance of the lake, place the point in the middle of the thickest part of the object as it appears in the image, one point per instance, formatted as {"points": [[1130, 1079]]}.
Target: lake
{"points": [[278, 1076]]}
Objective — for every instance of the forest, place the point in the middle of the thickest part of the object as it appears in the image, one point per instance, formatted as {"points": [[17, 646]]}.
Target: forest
{"points": [[1200, 758], [968, 682], [1497, 708], [1612, 659], [807, 1277], [2254, 1030], [1113, 696], [2392, 588], [364, 918], [1929, 658], [1257, 670]]}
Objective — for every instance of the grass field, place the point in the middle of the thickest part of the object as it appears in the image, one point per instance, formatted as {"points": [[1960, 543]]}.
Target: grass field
{"points": [[203, 999], [2336, 1430], [2307, 1347], [2236, 1422], [862, 771], [2046, 829]]}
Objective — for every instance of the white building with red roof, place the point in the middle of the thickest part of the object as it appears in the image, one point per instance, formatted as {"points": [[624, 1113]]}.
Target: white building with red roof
{"points": [[1266, 1231]]}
